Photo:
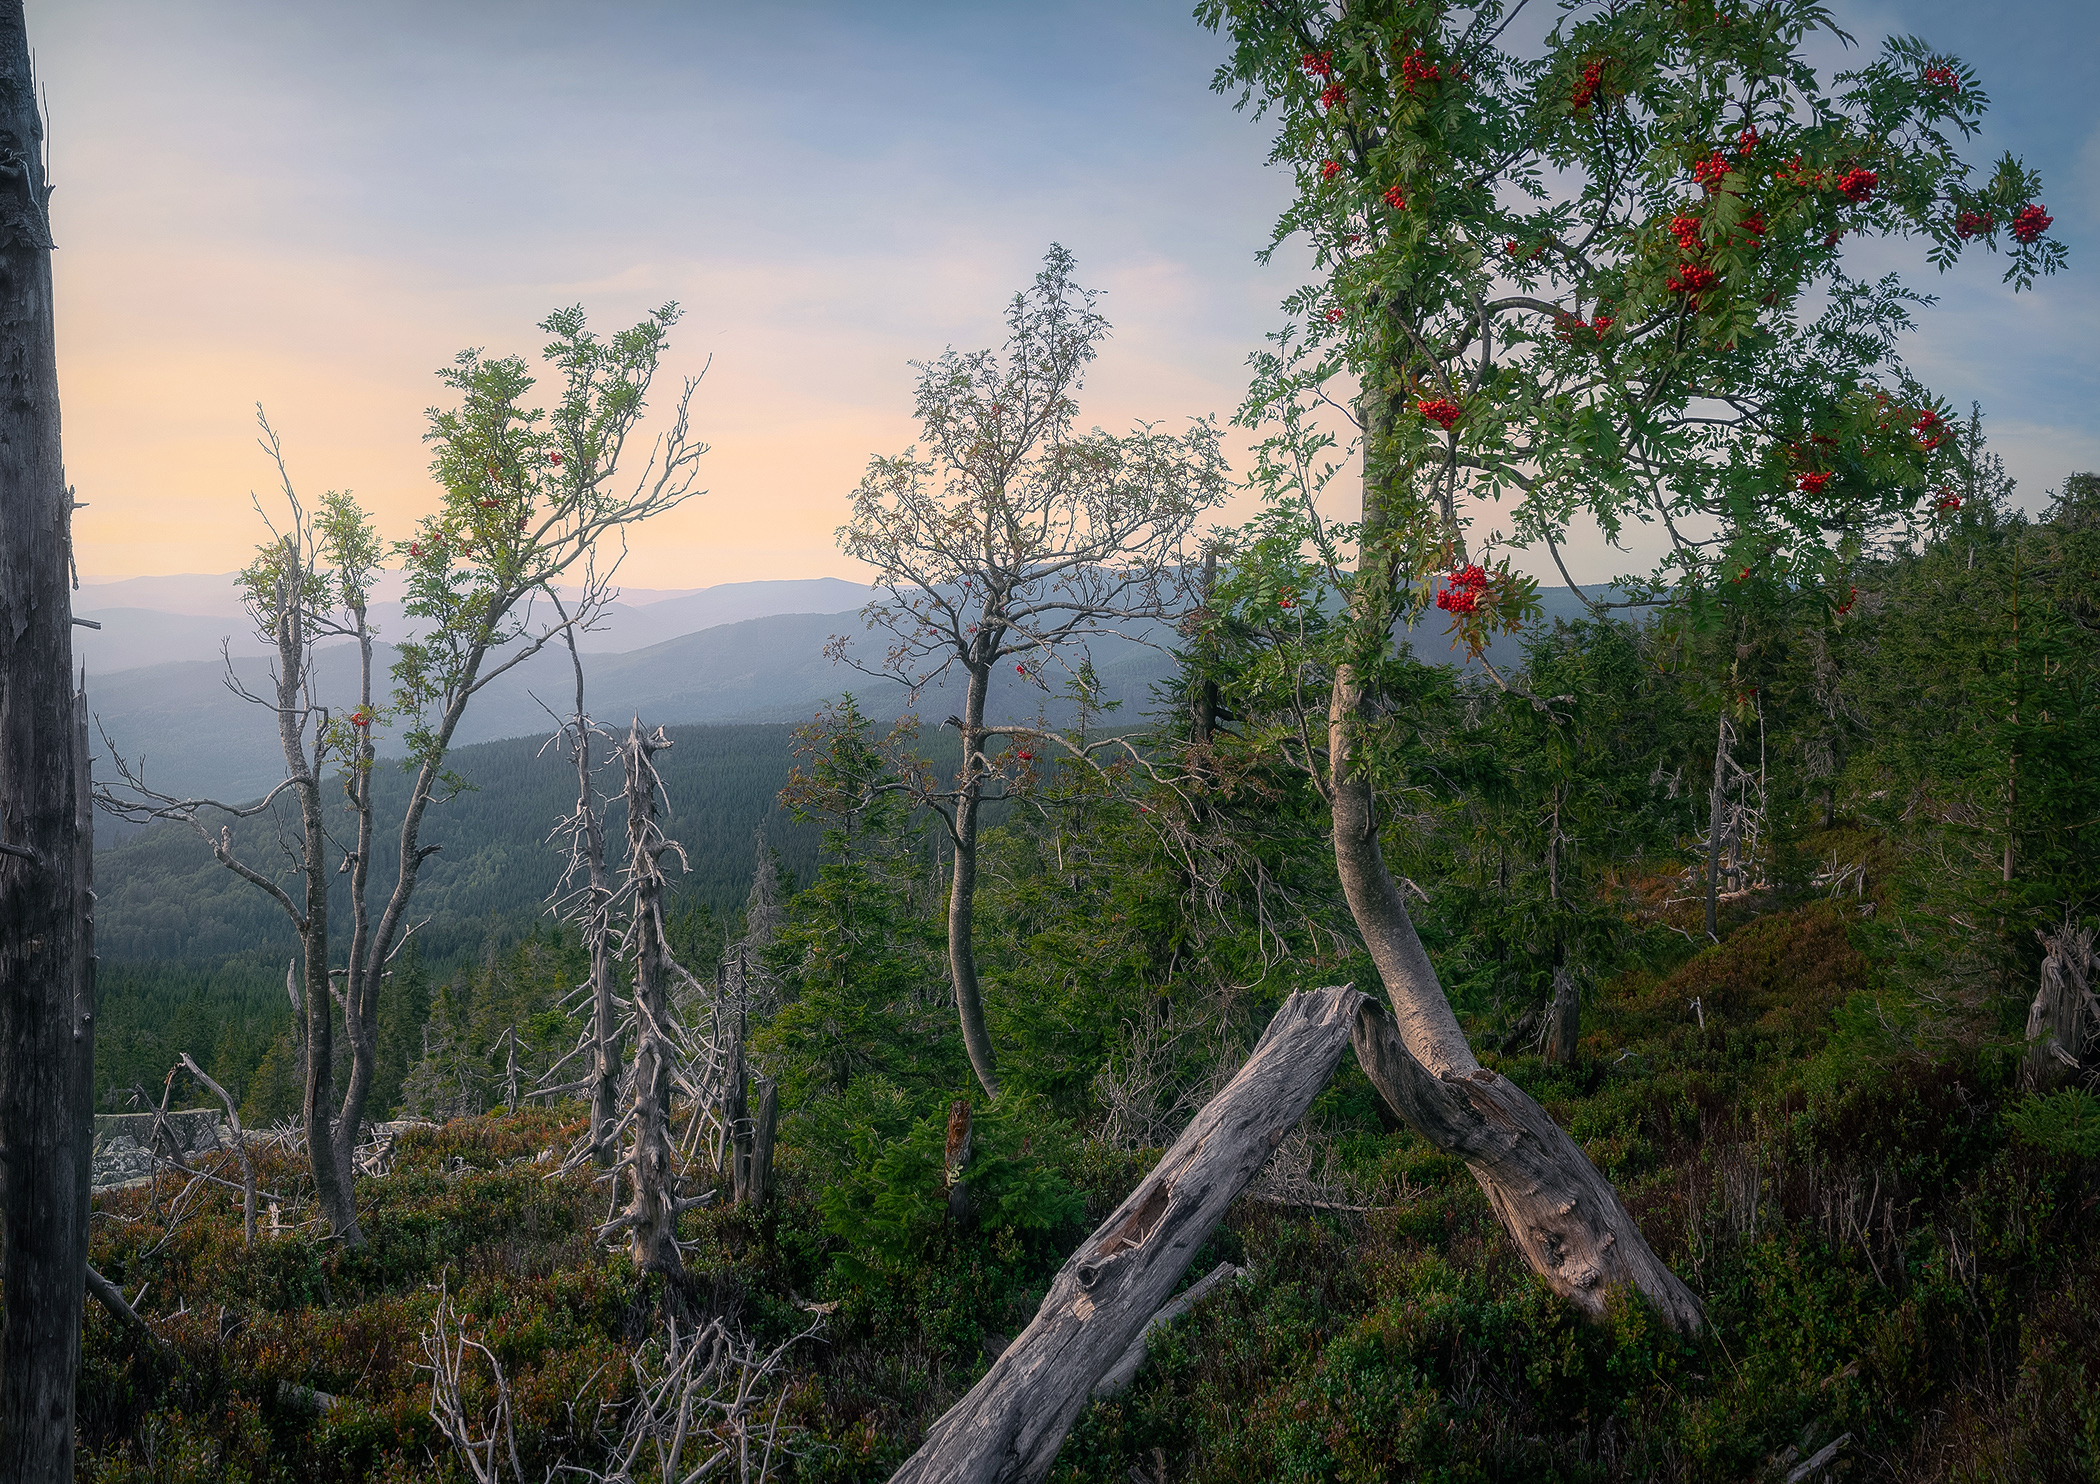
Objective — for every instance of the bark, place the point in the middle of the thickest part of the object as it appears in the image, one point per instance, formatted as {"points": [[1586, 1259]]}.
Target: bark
{"points": [[1011, 1424], [652, 1211], [1563, 1215], [362, 978], [763, 1130], [2063, 1023], [605, 1038], [45, 1031], [1563, 1019], [962, 892]]}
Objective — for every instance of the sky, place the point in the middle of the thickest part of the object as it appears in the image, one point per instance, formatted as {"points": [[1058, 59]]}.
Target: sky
{"points": [[314, 207]]}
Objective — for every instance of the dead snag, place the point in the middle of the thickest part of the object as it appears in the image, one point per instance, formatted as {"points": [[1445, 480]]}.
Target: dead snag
{"points": [[2063, 1023], [1012, 1423], [1563, 1019], [1564, 1216]]}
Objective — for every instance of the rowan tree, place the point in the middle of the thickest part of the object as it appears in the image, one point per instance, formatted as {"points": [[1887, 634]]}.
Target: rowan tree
{"points": [[1018, 542], [1600, 277]]}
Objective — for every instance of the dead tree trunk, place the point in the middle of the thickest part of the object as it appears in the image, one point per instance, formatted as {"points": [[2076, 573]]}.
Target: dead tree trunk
{"points": [[2063, 1023], [1012, 1423], [45, 1033], [763, 1129], [652, 1211], [1564, 1216], [1717, 813], [1563, 1019], [956, 1160]]}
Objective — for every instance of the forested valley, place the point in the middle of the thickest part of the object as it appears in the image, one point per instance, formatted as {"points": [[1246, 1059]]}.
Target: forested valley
{"points": [[1474, 1018]]}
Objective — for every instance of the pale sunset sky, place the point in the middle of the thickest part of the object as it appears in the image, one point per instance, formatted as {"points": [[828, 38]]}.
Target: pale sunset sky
{"points": [[315, 205]]}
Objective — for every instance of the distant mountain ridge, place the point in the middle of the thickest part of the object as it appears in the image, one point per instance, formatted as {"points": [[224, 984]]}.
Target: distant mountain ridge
{"points": [[197, 738]]}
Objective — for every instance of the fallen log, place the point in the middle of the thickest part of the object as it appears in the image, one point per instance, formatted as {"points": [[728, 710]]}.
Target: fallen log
{"points": [[1561, 1213], [1012, 1423]]}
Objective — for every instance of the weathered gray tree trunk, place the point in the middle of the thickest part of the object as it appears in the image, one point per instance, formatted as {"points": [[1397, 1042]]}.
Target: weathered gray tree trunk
{"points": [[1564, 1216], [46, 988], [962, 886], [2063, 1023], [1563, 1018], [1012, 1423], [652, 1211]]}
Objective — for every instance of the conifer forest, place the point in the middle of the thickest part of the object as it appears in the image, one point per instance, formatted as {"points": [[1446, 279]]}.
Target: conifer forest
{"points": [[1258, 965]]}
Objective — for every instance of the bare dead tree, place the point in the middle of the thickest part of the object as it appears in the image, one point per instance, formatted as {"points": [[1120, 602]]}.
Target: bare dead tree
{"points": [[1018, 541], [46, 952]]}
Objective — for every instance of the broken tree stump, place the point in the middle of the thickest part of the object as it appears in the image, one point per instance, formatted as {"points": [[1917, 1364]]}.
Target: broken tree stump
{"points": [[2063, 1023], [1562, 1214], [1011, 1424]]}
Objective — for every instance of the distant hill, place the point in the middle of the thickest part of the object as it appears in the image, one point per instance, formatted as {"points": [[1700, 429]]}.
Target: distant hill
{"points": [[163, 899]]}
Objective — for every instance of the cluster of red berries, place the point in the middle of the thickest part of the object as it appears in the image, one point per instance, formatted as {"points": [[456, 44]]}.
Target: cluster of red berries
{"points": [[554, 458], [360, 717], [1331, 95], [1928, 429], [1395, 198], [1462, 590], [1441, 410], [1329, 169], [1570, 325], [1288, 598], [1851, 597], [2029, 222], [1948, 500], [1856, 184], [1414, 68], [1029, 757], [1813, 484], [1973, 224], [1711, 171], [1693, 278], [1516, 249], [1317, 64], [1592, 83], [1686, 230], [1747, 140], [1334, 315], [1940, 75]]}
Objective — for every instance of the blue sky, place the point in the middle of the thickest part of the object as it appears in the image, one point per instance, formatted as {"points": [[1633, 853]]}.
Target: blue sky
{"points": [[315, 206]]}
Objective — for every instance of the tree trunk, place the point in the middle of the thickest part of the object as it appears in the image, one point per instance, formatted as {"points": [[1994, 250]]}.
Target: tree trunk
{"points": [[962, 891], [45, 1031], [766, 1125], [1563, 1215], [2063, 1023], [955, 1160], [1528, 1166], [652, 1212], [1563, 1019], [1011, 1424], [364, 975], [1717, 807]]}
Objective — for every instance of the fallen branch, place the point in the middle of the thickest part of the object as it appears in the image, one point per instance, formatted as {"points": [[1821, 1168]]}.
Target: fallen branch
{"points": [[1124, 1371], [111, 1298], [1012, 1423]]}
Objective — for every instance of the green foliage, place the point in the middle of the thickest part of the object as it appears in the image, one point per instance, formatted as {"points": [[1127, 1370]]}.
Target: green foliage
{"points": [[892, 1199], [2066, 1122]]}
